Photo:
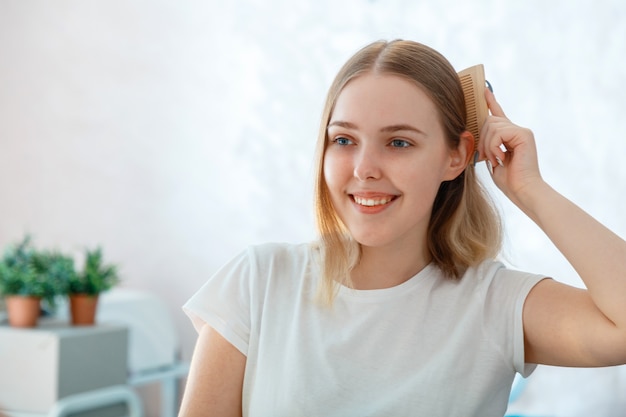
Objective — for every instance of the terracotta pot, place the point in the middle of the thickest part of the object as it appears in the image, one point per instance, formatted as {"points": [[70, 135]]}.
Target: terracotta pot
{"points": [[83, 309], [23, 310]]}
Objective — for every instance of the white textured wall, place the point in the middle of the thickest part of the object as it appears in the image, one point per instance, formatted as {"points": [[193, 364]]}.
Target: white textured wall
{"points": [[177, 133]]}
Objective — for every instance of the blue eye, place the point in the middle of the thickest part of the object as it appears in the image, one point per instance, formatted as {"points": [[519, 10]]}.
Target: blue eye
{"points": [[343, 141], [399, 143]]}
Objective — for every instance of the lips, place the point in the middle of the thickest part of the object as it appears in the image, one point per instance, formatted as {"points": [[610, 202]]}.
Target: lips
{"points": [[372, 200]]}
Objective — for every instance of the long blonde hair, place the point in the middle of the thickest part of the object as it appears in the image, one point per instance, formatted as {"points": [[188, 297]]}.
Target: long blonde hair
{"points": [[464, 227]]}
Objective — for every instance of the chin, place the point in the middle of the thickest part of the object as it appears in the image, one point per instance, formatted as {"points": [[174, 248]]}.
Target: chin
{"points": [[371, 241]]}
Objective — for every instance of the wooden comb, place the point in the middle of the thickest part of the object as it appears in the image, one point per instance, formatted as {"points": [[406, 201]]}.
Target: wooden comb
{"points": [[473, 83]]}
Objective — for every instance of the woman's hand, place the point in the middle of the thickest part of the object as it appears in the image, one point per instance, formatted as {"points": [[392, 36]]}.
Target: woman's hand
{"points": [[563, 325], [510, 152]]}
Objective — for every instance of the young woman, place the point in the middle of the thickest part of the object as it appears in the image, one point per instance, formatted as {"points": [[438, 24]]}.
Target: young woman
{"points": [[400, 308]]}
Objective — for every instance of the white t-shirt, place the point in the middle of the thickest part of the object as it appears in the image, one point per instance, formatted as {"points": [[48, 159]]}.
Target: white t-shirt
{"points": [[430, 346]]}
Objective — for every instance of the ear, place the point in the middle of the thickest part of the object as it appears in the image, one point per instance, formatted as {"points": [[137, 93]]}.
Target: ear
{"points": [[461, 156]]}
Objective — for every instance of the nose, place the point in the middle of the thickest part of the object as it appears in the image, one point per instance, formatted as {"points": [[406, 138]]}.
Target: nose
{"points": [[367, 165]]}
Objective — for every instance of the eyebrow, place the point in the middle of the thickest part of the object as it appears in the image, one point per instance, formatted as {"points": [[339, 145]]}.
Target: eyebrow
{"points": [[386, 129]]}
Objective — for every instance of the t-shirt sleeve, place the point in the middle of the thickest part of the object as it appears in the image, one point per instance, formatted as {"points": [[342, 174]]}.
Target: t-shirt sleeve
{"points": [[504, 309], [223, 302]]}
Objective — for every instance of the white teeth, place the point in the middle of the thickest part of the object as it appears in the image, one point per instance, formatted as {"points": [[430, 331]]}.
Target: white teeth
{"points": [[371, 202]]}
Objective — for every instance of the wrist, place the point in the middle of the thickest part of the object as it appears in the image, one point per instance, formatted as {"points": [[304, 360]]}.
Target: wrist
{"points": [[532, 197]]}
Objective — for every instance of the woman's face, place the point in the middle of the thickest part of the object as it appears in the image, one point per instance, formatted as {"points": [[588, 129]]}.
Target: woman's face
{"points": [[386, 159]]}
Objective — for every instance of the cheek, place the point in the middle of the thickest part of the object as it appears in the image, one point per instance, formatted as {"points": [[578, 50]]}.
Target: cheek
{"points": [[422, 178], [334, 171]]}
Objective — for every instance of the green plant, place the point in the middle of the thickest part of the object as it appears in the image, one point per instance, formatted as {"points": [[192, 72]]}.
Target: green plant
{"points": [[26, 271], [96, 276]]}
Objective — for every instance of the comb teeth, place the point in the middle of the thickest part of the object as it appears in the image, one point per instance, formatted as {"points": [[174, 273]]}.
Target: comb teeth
{"points": [[473, 84], [470, 106]]}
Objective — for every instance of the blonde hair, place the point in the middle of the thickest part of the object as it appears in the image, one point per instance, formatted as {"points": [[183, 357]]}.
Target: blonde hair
{"points": [[464, 227]]}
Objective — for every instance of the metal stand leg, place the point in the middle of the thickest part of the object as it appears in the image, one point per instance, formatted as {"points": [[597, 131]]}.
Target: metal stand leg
{"points": [[98, 398]]}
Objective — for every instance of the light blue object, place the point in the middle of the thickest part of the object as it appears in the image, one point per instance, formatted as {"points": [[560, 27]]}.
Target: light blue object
{"points": [[98, 398], [519, 384]]}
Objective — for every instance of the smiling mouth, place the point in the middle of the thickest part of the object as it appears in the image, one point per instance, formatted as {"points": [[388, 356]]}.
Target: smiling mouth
{"points": [[372, 202]]}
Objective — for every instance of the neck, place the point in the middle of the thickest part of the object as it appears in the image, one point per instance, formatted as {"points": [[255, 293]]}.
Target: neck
{"points": [[387, 267]]}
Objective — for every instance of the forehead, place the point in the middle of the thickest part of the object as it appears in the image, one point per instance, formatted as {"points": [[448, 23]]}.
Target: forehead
{"points": [[384, 99]]}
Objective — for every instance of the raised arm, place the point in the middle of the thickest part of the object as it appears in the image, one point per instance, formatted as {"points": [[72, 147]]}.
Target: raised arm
{"points": [[215, 378], [562, 325]]}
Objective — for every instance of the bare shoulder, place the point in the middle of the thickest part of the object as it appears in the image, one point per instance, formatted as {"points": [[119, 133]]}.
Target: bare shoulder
{"points": [[563, 327]]}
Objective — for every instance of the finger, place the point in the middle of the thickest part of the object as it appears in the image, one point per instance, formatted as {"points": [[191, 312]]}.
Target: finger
{"points": [[493, 104], [493, 138]]}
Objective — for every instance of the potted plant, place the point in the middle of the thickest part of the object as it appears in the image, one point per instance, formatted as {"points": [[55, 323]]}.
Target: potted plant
{"points": [[85, 287], [28, 276]]}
